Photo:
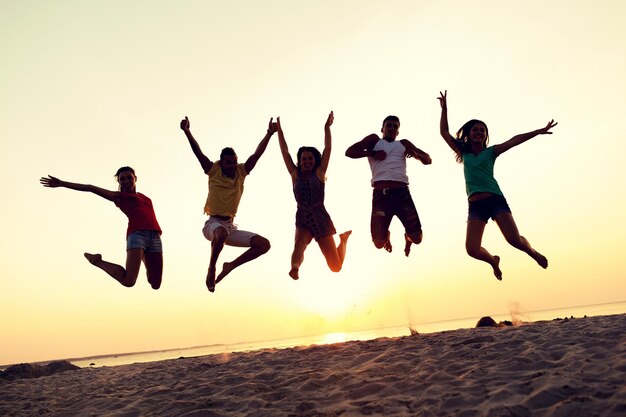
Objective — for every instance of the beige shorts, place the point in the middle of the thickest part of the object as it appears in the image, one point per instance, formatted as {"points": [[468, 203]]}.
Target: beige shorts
{"points": [[235, 237]]}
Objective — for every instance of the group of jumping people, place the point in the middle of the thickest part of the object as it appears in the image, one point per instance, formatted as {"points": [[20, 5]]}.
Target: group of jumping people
{"points": [[391, 197]]}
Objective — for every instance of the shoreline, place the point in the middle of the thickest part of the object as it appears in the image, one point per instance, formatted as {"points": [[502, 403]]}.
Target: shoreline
{"points": [[567, 367], [117, 359]]}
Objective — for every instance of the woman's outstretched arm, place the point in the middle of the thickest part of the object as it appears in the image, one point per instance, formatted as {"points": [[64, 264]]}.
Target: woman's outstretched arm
{"points": [[444, 129], [521, 138], [328, 143], [284, 149], [54, 182]]}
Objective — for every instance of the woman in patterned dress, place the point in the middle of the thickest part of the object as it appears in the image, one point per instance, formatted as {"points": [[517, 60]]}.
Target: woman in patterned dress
{"points": [[312, 219]]}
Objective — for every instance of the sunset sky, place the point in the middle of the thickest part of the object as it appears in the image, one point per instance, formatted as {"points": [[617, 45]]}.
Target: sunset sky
{"points": [[90, 86]]}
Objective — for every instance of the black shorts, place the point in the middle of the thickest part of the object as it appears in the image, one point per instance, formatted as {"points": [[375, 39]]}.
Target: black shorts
{"points": [[389, 202], [487, 208]]}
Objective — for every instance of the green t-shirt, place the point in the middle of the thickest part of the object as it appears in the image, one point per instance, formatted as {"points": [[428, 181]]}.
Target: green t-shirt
{"points": [[478, 171]]}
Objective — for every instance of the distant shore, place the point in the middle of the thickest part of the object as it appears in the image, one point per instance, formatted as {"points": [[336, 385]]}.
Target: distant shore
{"points": [[125, 358], [569, 367]]}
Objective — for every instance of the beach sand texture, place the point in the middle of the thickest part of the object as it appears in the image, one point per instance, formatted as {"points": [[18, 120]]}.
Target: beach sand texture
{"points": [[573, 367]]}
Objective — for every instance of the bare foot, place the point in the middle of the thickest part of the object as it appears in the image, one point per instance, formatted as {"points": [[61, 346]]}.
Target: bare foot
{"points": [[210, 279], [345, 235], [496, 268], [93, 258], [226, 268], [294, 273], [407, 244], [541, 260]]}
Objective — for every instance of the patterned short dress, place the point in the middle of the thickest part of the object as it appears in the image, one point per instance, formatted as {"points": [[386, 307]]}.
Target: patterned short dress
{"points": [[311, 214]]}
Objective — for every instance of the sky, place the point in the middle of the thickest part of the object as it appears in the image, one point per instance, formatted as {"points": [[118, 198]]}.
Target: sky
{"points": [[90, 86]]}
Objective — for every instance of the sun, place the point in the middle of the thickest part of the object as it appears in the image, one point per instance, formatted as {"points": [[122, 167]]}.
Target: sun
{"points": [[331, 338]]}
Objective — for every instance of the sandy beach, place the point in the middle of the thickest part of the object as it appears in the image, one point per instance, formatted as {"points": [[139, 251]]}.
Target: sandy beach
{"points": [[572, 367]]}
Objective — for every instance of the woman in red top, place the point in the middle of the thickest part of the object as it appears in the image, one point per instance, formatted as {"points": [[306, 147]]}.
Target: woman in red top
{"points": [[143, 237]]}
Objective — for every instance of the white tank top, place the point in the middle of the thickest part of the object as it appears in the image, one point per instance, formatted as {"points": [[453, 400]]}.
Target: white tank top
{"points": [[393, 167]]}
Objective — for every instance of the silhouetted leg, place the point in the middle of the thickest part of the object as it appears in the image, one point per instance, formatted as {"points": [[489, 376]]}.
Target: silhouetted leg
{"points": [[217, 244], [334, 255], [386, 243], [509, 230], [302, 239], [343, 243], [473, 240], [258, 246], [379, 226], [154, 268], [127, 277], [412, 238]]}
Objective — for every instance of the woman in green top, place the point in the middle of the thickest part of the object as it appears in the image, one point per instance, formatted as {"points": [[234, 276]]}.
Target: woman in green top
{"points": [[484, 195]]}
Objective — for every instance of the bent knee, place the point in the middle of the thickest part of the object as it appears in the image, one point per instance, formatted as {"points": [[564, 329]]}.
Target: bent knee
{"points": [[129, 283], [516, 242], [379, 243], [472, 251], [416, 238], [261, 243], [302, 240]]}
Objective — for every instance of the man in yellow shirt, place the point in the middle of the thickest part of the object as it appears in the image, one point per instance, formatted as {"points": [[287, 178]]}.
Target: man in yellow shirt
{"points": [[226, 179]]}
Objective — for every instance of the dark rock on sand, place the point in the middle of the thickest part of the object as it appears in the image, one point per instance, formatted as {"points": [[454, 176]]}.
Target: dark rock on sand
{"points": [[489, 322], [486, 322], [28, 370]]}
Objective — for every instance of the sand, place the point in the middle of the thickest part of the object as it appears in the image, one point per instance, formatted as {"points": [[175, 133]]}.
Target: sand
{"points": [[573, 367]]}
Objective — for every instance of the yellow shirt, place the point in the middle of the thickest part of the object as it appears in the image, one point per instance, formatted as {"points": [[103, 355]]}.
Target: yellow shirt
{"points": [[224, 192]]}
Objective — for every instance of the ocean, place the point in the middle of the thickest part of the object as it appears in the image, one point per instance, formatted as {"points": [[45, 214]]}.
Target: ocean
{"points": [[395, 331]]}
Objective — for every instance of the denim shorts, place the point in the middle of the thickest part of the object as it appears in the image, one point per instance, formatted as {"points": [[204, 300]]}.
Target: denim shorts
{"points": [[486, 208], [390, 202], [148, 240]]}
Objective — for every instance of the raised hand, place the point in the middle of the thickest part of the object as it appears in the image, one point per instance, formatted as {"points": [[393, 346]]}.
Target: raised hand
{"points": [[184, 124], [51, 181], [329, 121], [443, 99], [272, 126], [546, 130]]}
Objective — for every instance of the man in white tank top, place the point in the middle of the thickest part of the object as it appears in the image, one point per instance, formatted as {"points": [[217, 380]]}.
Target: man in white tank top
{"points": [[391, 196]]}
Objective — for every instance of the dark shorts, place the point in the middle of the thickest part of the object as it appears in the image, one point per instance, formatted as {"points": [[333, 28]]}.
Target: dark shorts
{"points": [[390, 202], [487, 208]]}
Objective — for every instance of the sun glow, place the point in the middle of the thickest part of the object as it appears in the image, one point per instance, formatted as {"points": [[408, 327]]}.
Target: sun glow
{"points": [[337, 337], [53, 78], [328, 302]]}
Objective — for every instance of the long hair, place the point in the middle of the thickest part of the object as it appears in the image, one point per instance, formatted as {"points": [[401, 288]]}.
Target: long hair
{"points": [[462, 138], [119, 171], [316, 155]]}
